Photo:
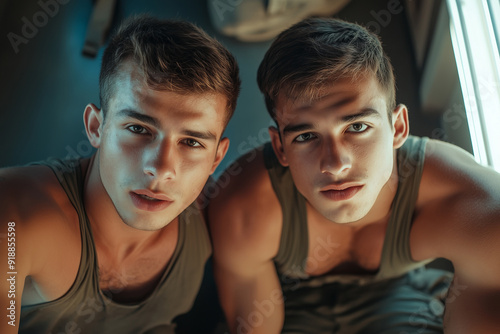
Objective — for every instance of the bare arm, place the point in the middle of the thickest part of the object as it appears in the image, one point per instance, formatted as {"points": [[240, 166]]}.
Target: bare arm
{"points": [[473, 303], [245, 223], [34, 229], [250, 294], [14, 265], [459, 219], [472, 309]]}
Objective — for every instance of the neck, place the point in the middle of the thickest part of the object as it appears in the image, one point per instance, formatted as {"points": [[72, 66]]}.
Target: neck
{"points": [[108, 229]]}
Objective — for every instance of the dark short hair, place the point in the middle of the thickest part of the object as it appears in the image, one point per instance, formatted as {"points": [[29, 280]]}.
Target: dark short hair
{"points": [[174, 56], [318, 51]]}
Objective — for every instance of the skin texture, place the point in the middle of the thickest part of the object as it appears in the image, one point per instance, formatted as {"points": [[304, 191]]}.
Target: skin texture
{"points": [[165, 142], [457, 214], [164, 153], [326, 149]]}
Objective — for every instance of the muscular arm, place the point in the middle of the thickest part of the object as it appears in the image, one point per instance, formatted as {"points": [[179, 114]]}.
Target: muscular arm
{"points": [[249, 292], [35, 208], [245, 223], [459, 219]]}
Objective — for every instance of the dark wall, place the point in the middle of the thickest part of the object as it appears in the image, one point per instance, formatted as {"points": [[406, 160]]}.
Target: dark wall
{"points": [[46, 82]]}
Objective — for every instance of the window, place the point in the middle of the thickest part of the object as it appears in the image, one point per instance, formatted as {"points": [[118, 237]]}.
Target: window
{"points": [[475, 33]]}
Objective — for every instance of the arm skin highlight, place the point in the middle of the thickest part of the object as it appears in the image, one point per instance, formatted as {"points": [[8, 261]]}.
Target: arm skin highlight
{"points": [[13, 247], [34, 207], [458, 218], [245, 223]]}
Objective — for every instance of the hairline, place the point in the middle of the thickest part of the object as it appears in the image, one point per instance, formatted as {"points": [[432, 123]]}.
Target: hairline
{"points": [[111, 84]]}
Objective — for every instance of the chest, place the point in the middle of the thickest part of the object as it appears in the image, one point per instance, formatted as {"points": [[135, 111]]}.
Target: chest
{"points": [[134, 278], [341, 249], [132, 282]]}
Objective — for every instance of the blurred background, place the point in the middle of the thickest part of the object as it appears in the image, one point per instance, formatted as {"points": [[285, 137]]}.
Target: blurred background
{"points": [[46, 81], [50, 55]]}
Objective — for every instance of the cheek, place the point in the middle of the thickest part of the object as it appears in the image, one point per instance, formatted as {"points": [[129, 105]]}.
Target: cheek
{"points": [[193, 163], [192, 180], [302, 170], [379, 162], [120, 146], [195, 168], [118, 159]]}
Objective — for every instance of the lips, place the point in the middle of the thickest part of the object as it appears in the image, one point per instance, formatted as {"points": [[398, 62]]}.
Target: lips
{"points": [[147, 200], [341, 192]]}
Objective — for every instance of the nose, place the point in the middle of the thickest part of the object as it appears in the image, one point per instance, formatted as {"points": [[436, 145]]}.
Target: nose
{"points": [[160, 160], [335, 158]]}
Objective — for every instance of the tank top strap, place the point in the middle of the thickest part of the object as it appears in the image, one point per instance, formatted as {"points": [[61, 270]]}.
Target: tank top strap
{"points": [[70, 177], [292, 253], [195, 243], [396, 255], [89, 310]]}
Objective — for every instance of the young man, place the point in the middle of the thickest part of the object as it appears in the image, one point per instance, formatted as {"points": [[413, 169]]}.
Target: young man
{"points": [[116, 243], [327, 228]]}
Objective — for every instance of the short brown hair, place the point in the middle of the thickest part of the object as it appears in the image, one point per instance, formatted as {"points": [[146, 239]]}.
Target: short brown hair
{"points": [[318, 51], [173, 55]]}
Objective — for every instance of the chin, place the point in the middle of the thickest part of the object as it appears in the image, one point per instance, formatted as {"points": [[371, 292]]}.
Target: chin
{"points": [[142, 223], [343, 219], [146, 226], [344, 215]]}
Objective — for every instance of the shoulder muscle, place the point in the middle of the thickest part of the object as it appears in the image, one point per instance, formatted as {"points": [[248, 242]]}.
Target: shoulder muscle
{"points": [[245, 216]]}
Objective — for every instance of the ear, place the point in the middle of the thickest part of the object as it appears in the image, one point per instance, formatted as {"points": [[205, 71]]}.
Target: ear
{"points": [[93, 119], [400, 125], [220, 154], [278, 145]]}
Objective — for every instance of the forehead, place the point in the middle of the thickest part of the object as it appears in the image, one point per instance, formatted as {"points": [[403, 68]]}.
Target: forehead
{"points": [[340, 96], [131, 91]]}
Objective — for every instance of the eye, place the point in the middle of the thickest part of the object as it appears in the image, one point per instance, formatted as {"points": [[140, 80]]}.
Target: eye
{"points": [[137, 129], [304, 137], [192, 143], [357, 127]]}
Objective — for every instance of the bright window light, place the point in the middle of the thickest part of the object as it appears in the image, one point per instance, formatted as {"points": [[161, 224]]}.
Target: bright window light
{"points": [[475, 32]]}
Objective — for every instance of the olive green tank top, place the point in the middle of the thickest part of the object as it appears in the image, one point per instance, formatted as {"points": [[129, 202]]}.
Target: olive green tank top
{"points": [[86, 309], [396, 259]]}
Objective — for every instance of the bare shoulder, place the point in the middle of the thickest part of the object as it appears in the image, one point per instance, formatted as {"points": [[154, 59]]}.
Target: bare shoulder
{"points": [[448, 169], [458, 208], [30, 192], [32, 198], [245, 215]]}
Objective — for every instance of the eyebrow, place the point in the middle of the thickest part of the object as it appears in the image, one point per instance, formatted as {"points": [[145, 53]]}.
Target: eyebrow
{"points": [[205, 135], [366, 112], [291, 128], [140, 117]]}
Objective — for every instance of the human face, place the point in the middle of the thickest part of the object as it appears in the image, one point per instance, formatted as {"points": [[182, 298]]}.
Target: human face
{"points": [[156, 149], [340, 148]]}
